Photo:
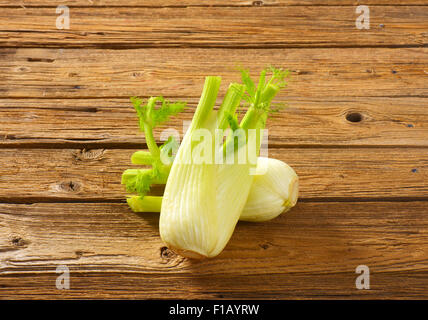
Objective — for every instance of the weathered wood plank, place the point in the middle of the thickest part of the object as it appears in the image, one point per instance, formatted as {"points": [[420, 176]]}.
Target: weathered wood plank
{"points": [[113, 122], [296, 26], [88, 73], [203, 3], [33, 175], [309, 252]]}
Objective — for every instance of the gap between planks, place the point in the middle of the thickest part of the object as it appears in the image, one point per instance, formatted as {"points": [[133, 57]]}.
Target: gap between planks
{"points": [[200, 3], [84, 144], [34, 201]]}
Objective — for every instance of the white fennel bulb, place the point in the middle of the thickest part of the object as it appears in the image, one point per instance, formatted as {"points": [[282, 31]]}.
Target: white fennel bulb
{"points": [[273, 192]]}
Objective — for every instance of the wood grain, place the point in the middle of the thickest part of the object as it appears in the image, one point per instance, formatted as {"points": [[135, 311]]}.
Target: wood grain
{"points": [[203, 3], [32, 175], [309, 252], [284, 27], [67, 132], [305, 122], [315, 73]]}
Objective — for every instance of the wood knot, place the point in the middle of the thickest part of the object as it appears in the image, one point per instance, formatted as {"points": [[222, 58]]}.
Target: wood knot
{"points": [[137, 74], [265, 245], [258, 3], [354, 117], [19, 242], [88, 155], [166, 253], [70, 186], [171, 258], [23, 69], [80, 253]]}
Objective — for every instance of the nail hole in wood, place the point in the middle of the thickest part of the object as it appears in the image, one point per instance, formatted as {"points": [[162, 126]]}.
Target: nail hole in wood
{"points": [[354, 117]]}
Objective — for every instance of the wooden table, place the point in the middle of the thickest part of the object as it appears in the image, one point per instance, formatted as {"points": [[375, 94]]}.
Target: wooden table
{"points": [[356, 132]]}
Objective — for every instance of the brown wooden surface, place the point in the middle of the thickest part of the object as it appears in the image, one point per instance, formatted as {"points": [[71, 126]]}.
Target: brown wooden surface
{"points": [[75, 174], [315, 73], [295, 26], [202, 3], [310, 122], [311, 251], [67, 131]]}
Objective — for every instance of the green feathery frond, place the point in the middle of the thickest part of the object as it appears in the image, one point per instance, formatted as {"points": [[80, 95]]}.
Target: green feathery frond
{"points": [[150, 114]]}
